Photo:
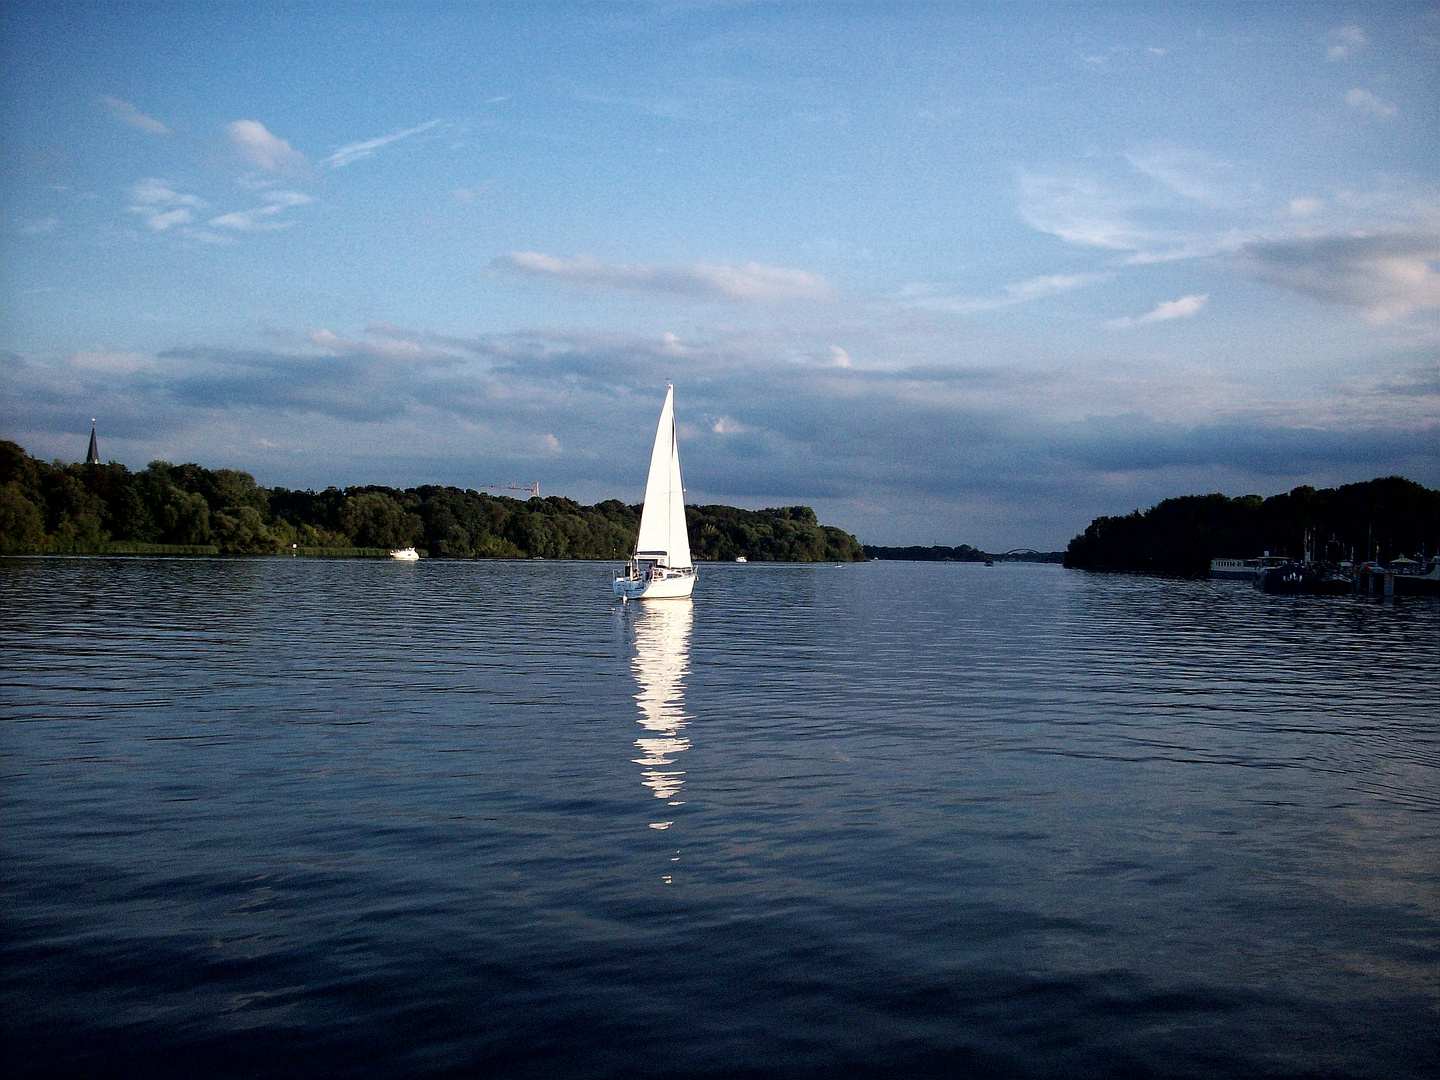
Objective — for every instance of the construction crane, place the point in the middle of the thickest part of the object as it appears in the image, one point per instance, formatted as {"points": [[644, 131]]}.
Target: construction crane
{"points": [[533, 489]]}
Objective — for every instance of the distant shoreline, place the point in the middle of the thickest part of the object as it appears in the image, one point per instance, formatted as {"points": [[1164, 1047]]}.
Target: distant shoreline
{"points": [[175, 551], [963, 553], [1376, 520], [188, 510]]}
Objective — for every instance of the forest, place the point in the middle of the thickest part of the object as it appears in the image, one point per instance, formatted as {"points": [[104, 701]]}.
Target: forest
{"points": [[1376, 519], [186, 509]]}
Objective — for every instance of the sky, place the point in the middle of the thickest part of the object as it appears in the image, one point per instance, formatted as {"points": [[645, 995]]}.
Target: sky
{"points": [[949, 273]]}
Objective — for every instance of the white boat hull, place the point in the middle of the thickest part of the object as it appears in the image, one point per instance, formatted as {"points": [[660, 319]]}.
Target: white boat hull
{"points": [[673, 585]]}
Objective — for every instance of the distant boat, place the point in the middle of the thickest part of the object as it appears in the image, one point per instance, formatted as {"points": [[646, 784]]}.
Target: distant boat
{"points": [[741, 558], [660, 568], [405, 554], [1244, 569]]}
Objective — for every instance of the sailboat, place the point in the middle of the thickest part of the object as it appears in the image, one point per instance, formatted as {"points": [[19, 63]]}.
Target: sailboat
{"points": [[660, 567]]}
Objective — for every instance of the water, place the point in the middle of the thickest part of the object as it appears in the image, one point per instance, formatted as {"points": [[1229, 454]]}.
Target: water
{"points": [[290, 818]]}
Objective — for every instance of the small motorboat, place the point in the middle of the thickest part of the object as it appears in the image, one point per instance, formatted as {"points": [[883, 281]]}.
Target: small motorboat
{"points": [[408, 554], [741, 558]]}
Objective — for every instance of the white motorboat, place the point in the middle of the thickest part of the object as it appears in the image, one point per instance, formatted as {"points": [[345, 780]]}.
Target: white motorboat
{"points": [[661, 568], [1244, 569], [405, 554]]}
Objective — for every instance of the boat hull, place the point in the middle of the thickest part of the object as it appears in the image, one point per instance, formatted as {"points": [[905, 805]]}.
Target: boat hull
{"points": [[669, 587]]}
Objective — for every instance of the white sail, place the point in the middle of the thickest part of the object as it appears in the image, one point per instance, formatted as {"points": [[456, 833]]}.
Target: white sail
{"points": [[663, 535]]}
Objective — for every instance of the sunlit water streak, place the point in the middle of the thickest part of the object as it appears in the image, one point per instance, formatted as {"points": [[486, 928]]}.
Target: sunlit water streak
{"points": [[270, 817]]}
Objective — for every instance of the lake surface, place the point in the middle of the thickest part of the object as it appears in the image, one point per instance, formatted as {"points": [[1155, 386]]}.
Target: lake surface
{"points": [[312, 818]]}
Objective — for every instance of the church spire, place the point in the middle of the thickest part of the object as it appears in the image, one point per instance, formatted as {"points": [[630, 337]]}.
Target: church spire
{"points": [[92, 456]]}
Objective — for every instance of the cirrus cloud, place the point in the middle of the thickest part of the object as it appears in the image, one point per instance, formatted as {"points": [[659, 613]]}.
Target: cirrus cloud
{"points": [[357, 150], [1164, 311], [752, 282], [161, 206], [262, 218], [129, 114]]}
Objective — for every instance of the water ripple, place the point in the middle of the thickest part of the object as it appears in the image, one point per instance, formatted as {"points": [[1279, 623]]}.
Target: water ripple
{"points": [[278, 817]]}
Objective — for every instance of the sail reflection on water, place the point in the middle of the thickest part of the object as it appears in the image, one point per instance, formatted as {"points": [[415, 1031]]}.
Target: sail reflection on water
{"points": [[660, 664]]}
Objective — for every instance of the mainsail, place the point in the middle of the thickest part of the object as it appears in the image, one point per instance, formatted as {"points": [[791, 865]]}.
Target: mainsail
{"points": [[662, 523]]}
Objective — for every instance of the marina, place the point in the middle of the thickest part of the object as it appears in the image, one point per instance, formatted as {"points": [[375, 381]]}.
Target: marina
{"points": [[1400, 577]]}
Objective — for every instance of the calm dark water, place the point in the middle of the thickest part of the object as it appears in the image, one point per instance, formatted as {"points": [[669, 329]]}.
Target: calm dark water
{"points": [[284, 818]]}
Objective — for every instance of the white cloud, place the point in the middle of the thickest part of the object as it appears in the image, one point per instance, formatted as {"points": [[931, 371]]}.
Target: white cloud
{"points": [[355, 151], [1134, 210], [764, 284], [839, 357], [159, 193], [1186, 172], [394, 347], [726, 426], [260, 218], [1164, 311], [1345, 40], [1384, 277], [1080, 210], [259, 147], [161, 206], [1176, 309], [41, 227], [1364, 101], [1017, 292], [160, 220], [129, 114], [1049, 285]]}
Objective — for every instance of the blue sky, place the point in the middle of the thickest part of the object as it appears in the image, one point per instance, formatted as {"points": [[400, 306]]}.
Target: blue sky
{"points": [[948, 273]]}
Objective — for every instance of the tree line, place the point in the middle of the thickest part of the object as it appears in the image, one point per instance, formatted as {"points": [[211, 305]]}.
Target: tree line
{"points": [[60, 509], [1378, 519], [921, 553], [963, 553]]}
